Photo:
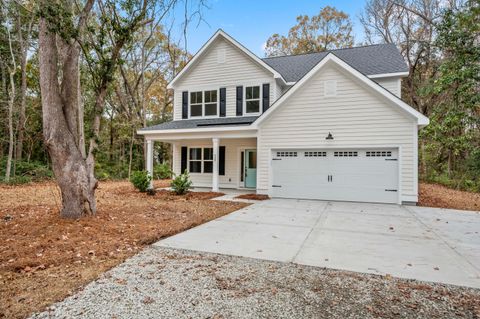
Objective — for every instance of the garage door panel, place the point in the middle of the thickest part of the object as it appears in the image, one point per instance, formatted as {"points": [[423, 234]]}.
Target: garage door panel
{"points": [[369, 175], [301, 177]]}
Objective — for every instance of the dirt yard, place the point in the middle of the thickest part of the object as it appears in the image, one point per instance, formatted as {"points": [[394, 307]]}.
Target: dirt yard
{"points": [[44, 258], [433, 195]]}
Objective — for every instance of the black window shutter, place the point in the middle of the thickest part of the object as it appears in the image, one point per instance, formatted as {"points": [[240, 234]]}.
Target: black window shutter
{"points": [[185, 105], [221, 161], [184, 159], [223, 102], [266, 96], [239, 100]]}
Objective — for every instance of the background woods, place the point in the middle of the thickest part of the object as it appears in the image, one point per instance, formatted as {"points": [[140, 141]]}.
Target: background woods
{"points": [[116, 58], [123, 72]]}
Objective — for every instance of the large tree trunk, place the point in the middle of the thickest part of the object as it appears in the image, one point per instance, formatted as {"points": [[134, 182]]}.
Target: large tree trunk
{"points": [[60, 123]]}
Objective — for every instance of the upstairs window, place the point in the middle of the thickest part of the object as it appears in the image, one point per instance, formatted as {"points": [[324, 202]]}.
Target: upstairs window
{"points": [[210, 103], [252, 99], [203, 103], [196, 100]]}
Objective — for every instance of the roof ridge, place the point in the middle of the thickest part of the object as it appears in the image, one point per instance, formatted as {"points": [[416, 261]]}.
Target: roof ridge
{"points": [[327, 51]]}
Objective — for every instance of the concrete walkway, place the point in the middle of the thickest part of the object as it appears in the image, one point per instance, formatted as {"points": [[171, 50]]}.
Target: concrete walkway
{"points": [[427, 244]]}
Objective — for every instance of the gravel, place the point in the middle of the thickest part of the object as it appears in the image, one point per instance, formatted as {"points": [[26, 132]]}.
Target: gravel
{"points": [[167, 283]]}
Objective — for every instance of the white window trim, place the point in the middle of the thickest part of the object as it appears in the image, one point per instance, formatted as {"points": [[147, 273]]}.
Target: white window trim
{"points": [[260, 100], [203, 116], [201, 160]]}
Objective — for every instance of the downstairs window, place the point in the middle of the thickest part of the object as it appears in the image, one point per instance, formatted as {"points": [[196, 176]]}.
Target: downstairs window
{"points": [[201, 160]]}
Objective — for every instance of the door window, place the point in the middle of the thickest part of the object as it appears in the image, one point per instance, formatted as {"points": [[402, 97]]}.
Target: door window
{"points": [[252, 159]]}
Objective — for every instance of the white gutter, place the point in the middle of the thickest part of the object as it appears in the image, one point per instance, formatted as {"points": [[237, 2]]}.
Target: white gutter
{"points": [[198, 130]]}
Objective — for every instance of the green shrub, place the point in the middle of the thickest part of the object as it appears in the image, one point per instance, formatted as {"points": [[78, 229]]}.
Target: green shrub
{"points": [[36, 171], [102, 176], [17, 180], [162, 171], [182, 183], [473, 164], [25, 172], [111, 170], [141, 180]]}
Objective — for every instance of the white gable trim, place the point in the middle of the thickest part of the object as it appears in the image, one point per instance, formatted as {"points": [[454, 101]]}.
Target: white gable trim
{"points": [[421, 119], [221, 33], [389, 75]]}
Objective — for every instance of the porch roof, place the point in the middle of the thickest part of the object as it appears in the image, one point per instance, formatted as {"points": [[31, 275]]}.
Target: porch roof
{"points": [[201, 123]]}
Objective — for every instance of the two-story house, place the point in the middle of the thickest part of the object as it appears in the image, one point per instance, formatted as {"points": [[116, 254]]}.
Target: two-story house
{"points": [[328, 125]]}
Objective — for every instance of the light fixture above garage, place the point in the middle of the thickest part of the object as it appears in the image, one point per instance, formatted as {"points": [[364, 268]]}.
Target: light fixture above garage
{"points": [[329, 136]]}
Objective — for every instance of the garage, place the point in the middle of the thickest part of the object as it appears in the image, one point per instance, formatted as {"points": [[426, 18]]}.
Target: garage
{"points": [[364, 175]]}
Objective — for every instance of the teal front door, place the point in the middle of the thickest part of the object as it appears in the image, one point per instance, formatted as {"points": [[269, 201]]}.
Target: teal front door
{"points": [[251, 168]]}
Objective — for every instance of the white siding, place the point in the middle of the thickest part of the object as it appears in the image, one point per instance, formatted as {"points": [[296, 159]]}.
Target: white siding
{"points": [[392, 84], [232, 160], [278, 93], [355, 116], [238, 69]]}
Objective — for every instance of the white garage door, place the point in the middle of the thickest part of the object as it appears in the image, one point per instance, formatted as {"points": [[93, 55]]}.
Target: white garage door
{"points": [[364, 175]]}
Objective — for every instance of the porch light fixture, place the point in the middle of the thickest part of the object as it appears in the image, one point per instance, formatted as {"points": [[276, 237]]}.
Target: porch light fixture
{"points": [[329, 136]]}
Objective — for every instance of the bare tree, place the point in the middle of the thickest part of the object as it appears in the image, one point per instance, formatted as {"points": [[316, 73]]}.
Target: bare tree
{"points": [[12, 69], [23, 38], [410, 24]]}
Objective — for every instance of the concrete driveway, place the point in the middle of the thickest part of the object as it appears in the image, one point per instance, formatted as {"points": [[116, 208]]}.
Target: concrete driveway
{"points": [[421, 243]]}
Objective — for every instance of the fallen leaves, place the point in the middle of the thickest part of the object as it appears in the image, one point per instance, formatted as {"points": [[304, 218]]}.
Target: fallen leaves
{"points": [[148, 300], [44, 257], [253, 196], [433, 195]]}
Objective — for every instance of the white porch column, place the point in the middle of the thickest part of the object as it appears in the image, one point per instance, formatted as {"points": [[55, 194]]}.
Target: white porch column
{"points": [[174, 159], [215, 142], [150, 161]]}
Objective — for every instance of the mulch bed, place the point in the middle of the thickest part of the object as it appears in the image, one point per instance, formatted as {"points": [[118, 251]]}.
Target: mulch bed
{"points": [[253, 196], [44, 258], [169, 195], [434, 195]]}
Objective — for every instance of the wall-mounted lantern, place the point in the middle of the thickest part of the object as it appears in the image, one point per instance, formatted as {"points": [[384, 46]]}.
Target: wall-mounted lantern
{"points": [[329, 136]]}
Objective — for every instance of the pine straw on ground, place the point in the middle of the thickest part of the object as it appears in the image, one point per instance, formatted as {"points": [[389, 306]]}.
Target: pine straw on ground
{"points": [[253, 196], [434, 195], [44, 258]]}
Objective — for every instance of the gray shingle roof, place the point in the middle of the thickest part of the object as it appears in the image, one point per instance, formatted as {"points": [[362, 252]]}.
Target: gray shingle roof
{"points": [[369, 60], [186, 124]]}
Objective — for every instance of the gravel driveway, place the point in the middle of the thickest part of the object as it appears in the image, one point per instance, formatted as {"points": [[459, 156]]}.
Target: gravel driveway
{"points": [[168, 283]]}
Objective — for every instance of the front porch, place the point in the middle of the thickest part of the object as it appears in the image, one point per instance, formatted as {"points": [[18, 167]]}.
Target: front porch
{"points": [[221, 162]]}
